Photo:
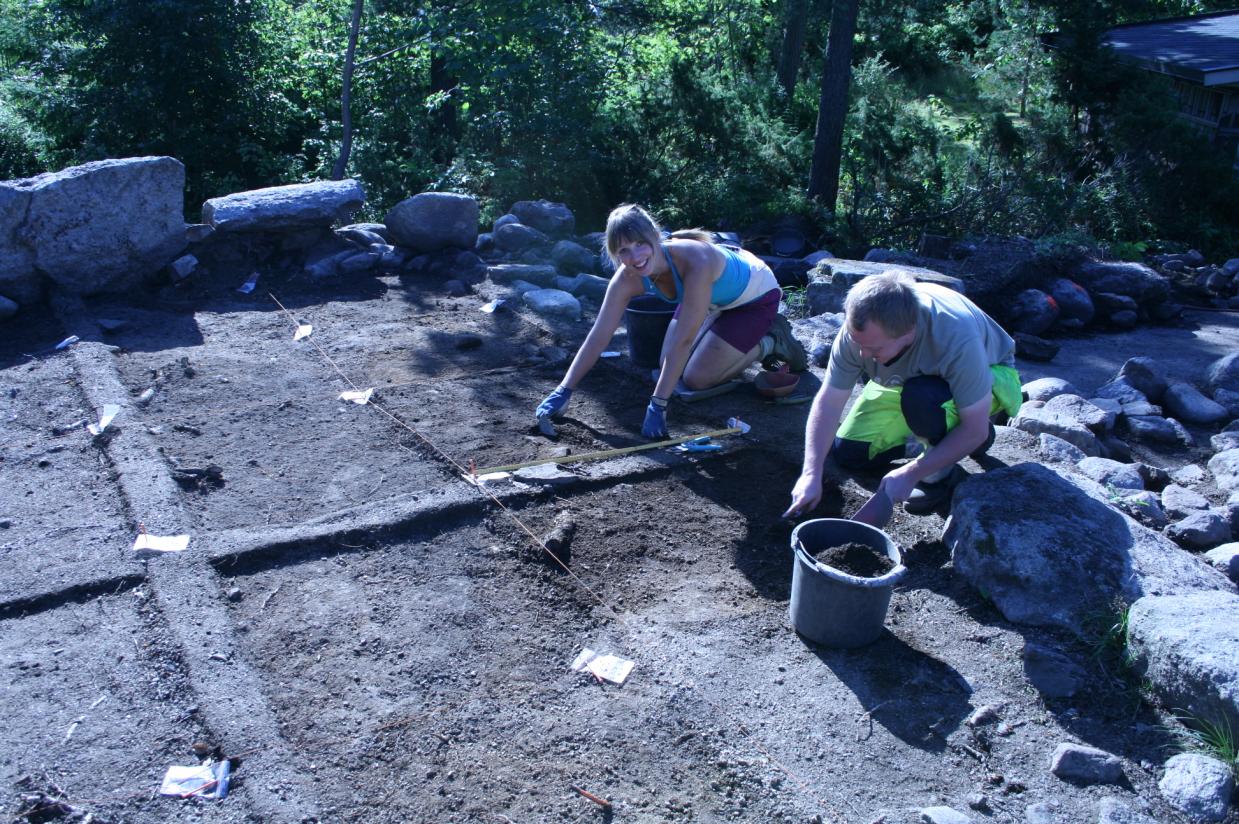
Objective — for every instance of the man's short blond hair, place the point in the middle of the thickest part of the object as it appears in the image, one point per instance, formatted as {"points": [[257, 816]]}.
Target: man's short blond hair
{"points": [[887, 299]]}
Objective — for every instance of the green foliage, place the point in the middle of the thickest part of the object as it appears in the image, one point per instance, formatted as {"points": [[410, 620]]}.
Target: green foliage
{"points": [[960, 121], [1212, 738], [1128, 250], [1068, 244], [1108, 630], [187, 78], [20, 145]]}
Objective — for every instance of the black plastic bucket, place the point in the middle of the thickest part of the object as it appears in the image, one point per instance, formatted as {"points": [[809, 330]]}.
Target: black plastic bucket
{"points": [[830, 606], [647, 319]]}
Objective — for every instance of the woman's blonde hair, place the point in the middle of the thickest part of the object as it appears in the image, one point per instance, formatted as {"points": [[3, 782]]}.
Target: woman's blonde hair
{"points": [[629, 223], [886, 299]]}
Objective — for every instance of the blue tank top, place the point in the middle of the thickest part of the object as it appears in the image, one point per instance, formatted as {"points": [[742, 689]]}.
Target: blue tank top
{"points": [[729, 286]]}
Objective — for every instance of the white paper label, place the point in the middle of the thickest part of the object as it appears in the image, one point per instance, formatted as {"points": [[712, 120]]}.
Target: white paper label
{"points": [[110, 411], [160, 543], [611, 667]]}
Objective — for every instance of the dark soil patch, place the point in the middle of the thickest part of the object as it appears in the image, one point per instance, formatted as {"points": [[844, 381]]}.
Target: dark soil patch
{"points": [[857, 559], [422, 674]]}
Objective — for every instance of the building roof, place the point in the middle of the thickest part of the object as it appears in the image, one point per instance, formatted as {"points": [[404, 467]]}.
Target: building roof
{"points": [[1204, 48]]}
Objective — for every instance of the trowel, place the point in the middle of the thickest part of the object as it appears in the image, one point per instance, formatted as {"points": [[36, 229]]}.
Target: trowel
{"points": [[877, 510]]}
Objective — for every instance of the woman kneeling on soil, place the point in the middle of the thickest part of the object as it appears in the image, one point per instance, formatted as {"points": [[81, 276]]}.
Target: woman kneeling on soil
{"points": [[727, 315]]}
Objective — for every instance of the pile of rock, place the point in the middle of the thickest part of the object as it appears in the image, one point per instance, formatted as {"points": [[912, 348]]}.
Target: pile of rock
{"points": [[1117, 295], [135, 235], [1091, 431], [532, 250], [1051, 543], [1034, 294], [1209, 283]]}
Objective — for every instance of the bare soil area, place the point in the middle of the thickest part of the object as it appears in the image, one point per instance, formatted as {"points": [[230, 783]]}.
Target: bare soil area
{"points": [[416, 667]]}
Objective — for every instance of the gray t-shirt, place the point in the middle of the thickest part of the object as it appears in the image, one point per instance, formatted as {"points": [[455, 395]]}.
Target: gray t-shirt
{"points": [[954, 340]]}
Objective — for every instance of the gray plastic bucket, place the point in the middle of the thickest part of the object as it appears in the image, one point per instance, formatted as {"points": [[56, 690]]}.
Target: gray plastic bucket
{"points": [[829, 606], [647, 319]]}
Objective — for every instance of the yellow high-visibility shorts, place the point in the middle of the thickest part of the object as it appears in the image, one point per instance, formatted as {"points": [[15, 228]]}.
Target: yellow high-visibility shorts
{"points": [[877, 416]]}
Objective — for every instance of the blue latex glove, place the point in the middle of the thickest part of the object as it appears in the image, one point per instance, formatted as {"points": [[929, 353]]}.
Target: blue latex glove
{"points": [[554, 404], [655, 425]]}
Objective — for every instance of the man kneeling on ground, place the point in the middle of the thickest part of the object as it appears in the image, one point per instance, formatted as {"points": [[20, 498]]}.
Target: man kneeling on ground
{"points": [[935, 367]]}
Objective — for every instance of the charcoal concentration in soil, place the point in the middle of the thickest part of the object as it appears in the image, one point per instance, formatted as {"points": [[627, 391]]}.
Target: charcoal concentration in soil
{"points": [[857, 559]]}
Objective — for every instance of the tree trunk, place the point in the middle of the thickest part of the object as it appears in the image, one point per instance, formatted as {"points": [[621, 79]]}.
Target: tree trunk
{"points": [[346, 95], [795, 12], [833, 106], [445, 127]]}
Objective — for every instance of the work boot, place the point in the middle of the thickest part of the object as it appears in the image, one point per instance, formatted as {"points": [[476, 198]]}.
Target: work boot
{"points": [[786, 348], [928, 496]]}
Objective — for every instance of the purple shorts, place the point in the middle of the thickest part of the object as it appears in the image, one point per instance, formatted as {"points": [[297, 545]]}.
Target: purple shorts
{"points": [[745, 325]]}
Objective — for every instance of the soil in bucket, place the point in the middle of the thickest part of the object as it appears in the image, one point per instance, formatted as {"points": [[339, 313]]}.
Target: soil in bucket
{"points": [[857, 559]]}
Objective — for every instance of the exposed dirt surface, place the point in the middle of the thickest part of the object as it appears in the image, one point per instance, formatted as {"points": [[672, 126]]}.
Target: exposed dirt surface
{"points": [[856, 559], [419, 669]]}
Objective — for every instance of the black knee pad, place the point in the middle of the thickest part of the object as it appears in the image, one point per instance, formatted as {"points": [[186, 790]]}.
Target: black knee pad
{"points": [[921, 403], [980, 451], [854, 455]]}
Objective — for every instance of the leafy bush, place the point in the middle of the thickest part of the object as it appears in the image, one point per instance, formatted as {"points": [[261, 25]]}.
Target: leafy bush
{"points": [[20, 146]]}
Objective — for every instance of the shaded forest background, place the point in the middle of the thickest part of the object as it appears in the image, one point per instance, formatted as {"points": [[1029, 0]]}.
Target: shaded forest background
{"points": [[959, 121]]}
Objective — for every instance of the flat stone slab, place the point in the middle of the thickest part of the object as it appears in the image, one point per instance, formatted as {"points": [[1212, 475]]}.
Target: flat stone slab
{"points": [[830, 280], [278, 208]]}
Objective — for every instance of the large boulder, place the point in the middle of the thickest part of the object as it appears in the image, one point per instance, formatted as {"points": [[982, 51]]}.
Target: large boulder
{"points": [[1198, 785], [1048, 548], [830, 280], [1112, 474], [1031, 312], [1043, 389], [553, 219], [103, 226], [1187, 645], [517, 237], [818, 334], [584, 285], [1152, 429], [432, 221], [1080, 410], [281, 208], [1074, 304], [1137, 281], [553, 303], [18, 278], [572, 258]]}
